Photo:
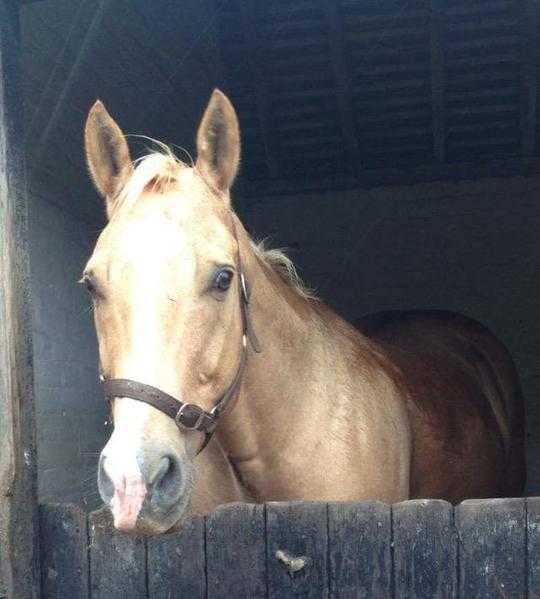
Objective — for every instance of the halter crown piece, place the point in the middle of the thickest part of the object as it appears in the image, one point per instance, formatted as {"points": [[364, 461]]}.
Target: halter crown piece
{"points": [[187, 415]]}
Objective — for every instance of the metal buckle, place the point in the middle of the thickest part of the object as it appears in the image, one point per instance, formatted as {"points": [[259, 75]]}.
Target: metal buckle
{"points": [[181, 414]]}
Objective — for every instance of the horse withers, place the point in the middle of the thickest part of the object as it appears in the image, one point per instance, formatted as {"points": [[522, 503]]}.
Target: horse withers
{"points": [[229, 381]]}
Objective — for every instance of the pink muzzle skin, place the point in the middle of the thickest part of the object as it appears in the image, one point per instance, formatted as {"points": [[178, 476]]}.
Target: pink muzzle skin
{"points": [[127, 501]]}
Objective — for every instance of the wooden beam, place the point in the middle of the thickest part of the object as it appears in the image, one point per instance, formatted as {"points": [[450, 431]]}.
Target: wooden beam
{"points": [[255, 57], [19, 545], [376, 177], [342, 77], [437, 81], [529, 76]]}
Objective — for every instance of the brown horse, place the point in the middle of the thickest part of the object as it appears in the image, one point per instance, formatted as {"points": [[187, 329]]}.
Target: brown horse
{"points": [[192, 317]]}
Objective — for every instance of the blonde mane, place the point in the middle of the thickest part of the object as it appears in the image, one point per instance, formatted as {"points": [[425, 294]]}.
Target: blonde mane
{"points": [[159, 170], [282, 265]]}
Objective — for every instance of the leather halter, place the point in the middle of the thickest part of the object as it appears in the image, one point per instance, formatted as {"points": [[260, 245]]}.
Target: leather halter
{"points": [[187, 415]]}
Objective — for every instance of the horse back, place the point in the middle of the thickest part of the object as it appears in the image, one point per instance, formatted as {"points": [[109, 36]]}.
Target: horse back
{"points": [[464, 403]]}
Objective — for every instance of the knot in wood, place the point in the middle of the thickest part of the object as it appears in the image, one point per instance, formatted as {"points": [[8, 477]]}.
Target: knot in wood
{"points": [[293, 564]]}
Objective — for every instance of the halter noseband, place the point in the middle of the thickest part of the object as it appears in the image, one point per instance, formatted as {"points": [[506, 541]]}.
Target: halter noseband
{"points": [[187, 415]]}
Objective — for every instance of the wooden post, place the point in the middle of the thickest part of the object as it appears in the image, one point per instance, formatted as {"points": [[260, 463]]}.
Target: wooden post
{"points": [[359, 550], [19, 551], [235, 552], [492, 548], [117, 561], [64, 552], [425, 549]]}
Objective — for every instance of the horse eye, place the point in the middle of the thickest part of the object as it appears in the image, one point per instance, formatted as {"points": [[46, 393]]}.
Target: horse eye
{"points": [[222, 280]]}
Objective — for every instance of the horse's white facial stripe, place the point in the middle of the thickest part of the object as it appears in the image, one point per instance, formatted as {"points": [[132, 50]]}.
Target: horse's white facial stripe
{"points": [[122, 457]]}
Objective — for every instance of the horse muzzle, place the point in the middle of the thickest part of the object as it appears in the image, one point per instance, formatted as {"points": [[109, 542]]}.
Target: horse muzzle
{"points": [[145, 492]]}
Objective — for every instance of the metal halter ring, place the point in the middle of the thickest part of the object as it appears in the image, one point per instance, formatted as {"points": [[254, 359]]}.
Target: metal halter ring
{"points": [[189, 416]]}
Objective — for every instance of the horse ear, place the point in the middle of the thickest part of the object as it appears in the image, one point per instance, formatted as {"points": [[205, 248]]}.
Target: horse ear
{"points": [[107, 153], [218, 142]]}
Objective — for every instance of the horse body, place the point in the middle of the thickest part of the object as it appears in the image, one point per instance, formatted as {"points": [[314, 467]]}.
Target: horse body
{"points": [[428, 401], [464, 402], [319, 415], [413, 404]]}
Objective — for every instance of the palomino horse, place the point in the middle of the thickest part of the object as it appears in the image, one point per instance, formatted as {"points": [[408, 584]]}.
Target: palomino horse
{"points": [[207, 339]]}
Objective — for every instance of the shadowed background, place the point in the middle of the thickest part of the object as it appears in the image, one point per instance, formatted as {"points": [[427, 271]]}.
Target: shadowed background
{"points": [[391, 145]]}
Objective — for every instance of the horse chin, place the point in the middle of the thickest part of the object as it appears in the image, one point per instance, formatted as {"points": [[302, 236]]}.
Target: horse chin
{"points": [[155, 522], [152, 525], [152, 520]]}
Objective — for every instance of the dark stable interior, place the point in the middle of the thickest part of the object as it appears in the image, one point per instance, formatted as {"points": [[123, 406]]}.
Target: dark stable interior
{"points": [[390, 145]]}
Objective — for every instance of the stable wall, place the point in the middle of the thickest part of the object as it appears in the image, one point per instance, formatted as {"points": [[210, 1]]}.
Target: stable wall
{"points": [[70, 412], [470, 246]]}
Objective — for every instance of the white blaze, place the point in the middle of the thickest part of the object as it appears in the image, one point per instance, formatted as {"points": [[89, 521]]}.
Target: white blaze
{"points": [[120, 461]]}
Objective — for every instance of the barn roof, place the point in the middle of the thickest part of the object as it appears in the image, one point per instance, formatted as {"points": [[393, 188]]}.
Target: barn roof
{"points": [[376, 90], [330, 95]]}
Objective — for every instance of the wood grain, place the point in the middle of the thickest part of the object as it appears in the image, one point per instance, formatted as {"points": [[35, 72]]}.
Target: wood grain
{"points": [[19, 550]]}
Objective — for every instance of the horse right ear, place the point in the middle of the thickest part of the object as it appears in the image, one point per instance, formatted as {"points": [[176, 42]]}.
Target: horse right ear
{"points": [[218, 142], [107, 154]]}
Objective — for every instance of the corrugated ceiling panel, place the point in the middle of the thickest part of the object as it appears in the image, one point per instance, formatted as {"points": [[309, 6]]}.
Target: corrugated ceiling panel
{"points": [[482, 56]]}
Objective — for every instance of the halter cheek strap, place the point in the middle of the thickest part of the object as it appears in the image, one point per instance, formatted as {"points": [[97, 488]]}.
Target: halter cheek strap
{"points": [[187, 415]]}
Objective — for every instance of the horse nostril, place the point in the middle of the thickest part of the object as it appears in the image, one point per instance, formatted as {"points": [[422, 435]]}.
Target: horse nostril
{"points": [[166, 481], [163, 471]]}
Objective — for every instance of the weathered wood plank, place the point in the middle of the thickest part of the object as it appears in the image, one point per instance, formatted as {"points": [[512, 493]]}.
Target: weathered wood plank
{"points": [[425, 550], [176, 563], [64, 552], [117, 561], [296, 549], [235, 552], [19, 538], [533, 547], [492, 559], [359, 538]]}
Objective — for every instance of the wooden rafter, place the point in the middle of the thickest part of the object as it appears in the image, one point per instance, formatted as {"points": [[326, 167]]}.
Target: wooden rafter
{"points": [[256, 60], [438, 82], [529, 76], [376, 177], [341, 74]]}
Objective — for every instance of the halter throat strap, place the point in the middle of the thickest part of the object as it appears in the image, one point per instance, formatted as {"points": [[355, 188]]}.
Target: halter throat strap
{"points": [[187, 415]]}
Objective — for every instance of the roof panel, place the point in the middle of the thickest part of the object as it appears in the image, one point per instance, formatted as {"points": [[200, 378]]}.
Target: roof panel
{"points": [[386, 66]]}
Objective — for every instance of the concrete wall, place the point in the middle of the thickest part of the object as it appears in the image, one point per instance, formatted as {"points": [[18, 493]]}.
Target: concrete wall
{"points": [[71, 413], [472, 247]]}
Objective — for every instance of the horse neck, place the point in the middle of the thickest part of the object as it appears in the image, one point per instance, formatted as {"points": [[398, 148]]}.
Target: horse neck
{"points": [[285, 387]]}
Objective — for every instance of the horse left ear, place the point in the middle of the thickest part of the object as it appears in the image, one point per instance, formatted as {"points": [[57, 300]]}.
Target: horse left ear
{"points": [[218, 142], [107, 154]]}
